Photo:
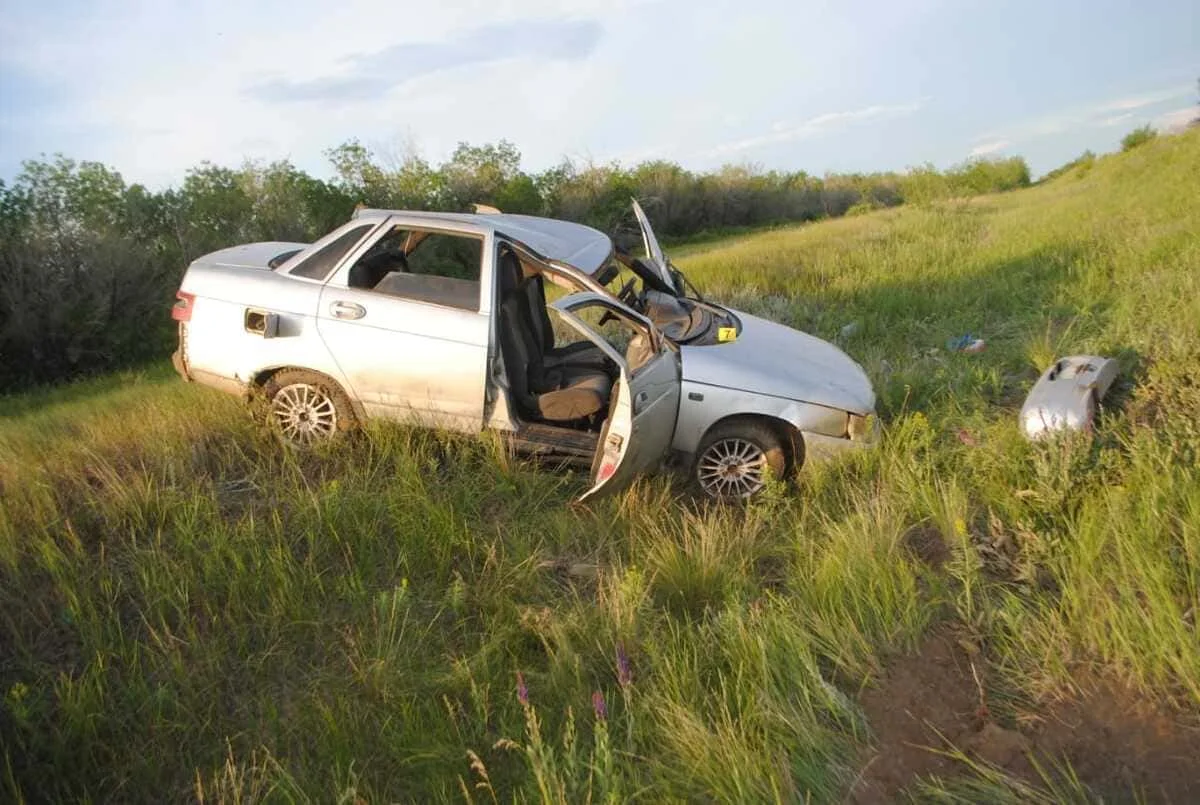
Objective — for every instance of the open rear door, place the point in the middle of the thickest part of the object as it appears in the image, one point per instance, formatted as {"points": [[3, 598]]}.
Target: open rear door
{"points": [[645, 400]]}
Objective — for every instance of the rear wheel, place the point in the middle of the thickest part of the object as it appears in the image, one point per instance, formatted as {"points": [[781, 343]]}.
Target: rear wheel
{"points": [[734, 460], [305, 407]]}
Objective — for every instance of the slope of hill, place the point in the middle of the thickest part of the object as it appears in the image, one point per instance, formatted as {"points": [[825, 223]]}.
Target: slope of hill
{"points": [[188, 612]]}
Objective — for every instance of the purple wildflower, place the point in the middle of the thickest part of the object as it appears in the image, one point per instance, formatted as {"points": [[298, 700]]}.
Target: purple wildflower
{"points": [[522, 690], [624, 673], [599, 706]]}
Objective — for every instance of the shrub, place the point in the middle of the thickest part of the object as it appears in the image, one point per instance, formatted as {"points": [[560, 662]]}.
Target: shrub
{"points": [[1080, 166], [988, 176], [91, 263], [1139, 136]]}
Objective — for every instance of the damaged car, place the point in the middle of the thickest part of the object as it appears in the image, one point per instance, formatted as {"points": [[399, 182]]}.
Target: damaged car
{"points": [[541, 329]]}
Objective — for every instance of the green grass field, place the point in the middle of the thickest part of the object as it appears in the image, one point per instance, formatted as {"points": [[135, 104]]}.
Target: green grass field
{"points": [[189, 612]]}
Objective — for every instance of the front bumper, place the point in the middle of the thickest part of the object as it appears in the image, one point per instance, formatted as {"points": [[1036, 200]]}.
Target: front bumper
{"points": [[819, 446]]}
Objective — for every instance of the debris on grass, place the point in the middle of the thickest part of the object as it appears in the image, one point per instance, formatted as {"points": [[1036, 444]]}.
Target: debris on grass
{"points": [[966, 343], [1066, 395]]}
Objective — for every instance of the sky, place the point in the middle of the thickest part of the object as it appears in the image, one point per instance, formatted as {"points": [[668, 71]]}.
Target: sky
{"points": [[154, 87]]}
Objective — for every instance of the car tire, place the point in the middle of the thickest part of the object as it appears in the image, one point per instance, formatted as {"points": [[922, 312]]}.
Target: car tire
{"points": [[304, 408], [733, 459]]}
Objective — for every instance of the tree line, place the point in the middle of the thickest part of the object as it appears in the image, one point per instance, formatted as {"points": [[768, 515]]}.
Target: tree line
{"points": [[90, 263]]}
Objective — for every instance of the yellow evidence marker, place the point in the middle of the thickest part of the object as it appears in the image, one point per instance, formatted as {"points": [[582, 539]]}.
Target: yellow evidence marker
{"points": [[726, 334]]}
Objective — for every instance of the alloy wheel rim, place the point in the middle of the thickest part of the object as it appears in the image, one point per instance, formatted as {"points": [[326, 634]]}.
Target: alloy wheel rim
{"points": [[732, 468], [304, 413]]}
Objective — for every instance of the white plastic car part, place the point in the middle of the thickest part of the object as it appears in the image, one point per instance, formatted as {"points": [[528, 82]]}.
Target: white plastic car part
{"points": [[1065, 396]]}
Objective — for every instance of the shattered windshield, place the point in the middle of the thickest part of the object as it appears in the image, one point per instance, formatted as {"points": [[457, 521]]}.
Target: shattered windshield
{"points": [[680, 318]]}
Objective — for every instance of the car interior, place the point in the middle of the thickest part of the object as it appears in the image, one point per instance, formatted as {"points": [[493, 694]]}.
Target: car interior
{"points": [[424, 266], [567, 386]]}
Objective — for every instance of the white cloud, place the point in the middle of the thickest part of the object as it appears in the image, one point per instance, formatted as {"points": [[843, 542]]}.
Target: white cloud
{"points": [[1128, 109], [371, 76], [990, 147], [1177, 119], [813, 126], [1140, 101], [1115, 120], [153, 89]]}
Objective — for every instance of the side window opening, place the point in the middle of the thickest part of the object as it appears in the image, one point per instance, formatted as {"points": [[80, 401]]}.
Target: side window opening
{"points": [[450, 256], [318, 265], [625, 336], [543, 287], [425, 266]]}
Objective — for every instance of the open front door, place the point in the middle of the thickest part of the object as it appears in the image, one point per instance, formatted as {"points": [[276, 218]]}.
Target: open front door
{"points": [[645, 400]]}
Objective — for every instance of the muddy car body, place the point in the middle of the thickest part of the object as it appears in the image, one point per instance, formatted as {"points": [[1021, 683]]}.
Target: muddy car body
{"points": [[534, 327]]}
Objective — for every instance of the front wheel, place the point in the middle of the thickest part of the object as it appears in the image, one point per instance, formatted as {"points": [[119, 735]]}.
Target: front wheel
{"points": [[305, 408], [734, 459]]}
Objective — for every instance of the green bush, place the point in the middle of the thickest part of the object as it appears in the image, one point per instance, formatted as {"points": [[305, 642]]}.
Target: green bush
{"points": [[1079, 167], [1139, 136], [91, 263], [988, 176]]}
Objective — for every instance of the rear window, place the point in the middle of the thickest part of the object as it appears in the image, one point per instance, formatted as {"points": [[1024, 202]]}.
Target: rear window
{"points": [[321, 262]]}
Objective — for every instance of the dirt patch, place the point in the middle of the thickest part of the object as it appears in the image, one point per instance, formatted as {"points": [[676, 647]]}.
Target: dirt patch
{"points": [[926, 543], [925, 701], [1116, 741]]}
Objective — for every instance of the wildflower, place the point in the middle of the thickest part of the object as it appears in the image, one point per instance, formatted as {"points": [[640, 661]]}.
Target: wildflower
{"points": [[624, 673], [599, 706], [522, 690]]}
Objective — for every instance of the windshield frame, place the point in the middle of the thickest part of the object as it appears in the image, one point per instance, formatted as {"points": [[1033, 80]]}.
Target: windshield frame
{"points": [[655, 255]]}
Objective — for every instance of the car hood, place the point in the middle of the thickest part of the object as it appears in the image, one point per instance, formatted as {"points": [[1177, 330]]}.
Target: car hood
{"points": [[249, 255], [769, 358]]}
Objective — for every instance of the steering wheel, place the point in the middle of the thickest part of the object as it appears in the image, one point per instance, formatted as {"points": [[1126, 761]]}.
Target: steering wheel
{"points": [[626, 291]]}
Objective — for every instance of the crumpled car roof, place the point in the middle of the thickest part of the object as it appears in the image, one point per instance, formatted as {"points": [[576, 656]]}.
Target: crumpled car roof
{"points": [[581, 246]]}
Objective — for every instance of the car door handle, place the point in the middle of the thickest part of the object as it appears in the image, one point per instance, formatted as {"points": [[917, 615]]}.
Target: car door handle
{"points": [[347, 310], [639, 402]]}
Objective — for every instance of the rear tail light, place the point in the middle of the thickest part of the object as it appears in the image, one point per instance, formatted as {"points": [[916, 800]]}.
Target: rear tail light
{"points": [[184, 302]]}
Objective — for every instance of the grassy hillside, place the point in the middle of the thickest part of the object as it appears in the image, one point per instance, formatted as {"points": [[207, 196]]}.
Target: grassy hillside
{"points": [[188, 612]]}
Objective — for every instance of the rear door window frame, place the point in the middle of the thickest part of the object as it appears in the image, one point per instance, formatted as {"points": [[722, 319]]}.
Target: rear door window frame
{"points": [[340, 277]]}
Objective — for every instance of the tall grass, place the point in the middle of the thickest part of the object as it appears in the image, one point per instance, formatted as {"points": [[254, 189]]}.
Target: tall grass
{"points": [[189, 612]]}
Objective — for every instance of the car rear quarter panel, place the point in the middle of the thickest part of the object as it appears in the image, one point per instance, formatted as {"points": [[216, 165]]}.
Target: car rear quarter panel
{"points": [[217, 340]]}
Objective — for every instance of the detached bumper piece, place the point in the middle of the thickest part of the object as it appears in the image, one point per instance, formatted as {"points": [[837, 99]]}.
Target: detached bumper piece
{"points": [[1065, 396]]}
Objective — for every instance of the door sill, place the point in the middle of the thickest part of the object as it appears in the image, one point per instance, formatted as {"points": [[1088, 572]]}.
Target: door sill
{"points": [[541, 440]]}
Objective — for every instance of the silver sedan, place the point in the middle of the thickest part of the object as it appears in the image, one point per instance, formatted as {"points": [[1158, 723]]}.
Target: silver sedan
{"points": [[540, 329]]}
